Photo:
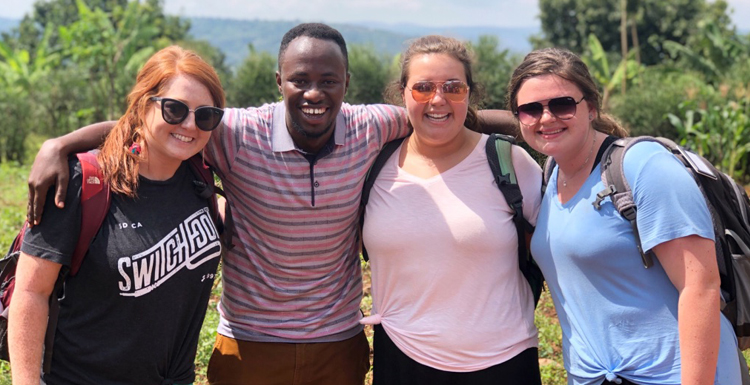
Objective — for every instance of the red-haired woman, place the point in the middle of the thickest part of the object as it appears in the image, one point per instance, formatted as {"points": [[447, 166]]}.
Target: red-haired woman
{"points": [[133, 313]]}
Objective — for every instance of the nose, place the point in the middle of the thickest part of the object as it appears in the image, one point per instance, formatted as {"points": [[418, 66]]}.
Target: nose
{"points": [[547, 115], [189, 121], [314, 93], [438, 98]]}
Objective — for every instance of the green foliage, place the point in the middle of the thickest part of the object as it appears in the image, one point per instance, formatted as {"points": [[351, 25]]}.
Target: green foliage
{"points": [[712, 51], [661, 90], [22, 82], [492, 69], [208, 332], [255, 81], [370, 72], [12, 201], [568, 23], [5, 373], [111, 51], [721, 134], [608, 77]]}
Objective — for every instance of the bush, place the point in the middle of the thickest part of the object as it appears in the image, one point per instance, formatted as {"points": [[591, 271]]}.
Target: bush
{"points": [[643, 109]]}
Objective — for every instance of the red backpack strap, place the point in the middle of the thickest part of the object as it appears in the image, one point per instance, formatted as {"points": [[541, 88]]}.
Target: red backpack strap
{"points": [[95, 201]]}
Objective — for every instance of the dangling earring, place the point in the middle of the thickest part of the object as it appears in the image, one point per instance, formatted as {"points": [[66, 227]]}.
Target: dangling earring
{"points": [[135, 149], [203, 157]]}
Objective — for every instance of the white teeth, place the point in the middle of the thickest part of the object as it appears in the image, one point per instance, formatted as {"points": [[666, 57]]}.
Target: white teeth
{"points": [[437, 116], [183, 138], [314, 111], [551, 132]]}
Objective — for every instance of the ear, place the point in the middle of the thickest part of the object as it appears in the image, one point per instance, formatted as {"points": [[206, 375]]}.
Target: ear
{"points": [[346, 83], [592, 113], [278, 82]]}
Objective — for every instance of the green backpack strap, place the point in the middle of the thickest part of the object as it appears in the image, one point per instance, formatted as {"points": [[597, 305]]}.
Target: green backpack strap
{"points": [[500, 159]]}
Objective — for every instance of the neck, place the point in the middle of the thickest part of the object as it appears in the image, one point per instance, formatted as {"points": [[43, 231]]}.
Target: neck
{"points": [[583, 155], [425, 149], [154, 169]]}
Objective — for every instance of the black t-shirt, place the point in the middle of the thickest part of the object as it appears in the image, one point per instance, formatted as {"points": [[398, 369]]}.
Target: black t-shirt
{"points": [[133, 313]]}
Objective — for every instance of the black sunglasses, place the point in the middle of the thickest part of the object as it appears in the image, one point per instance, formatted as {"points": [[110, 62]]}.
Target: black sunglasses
{"points": [[175, 112], [562, 108]]}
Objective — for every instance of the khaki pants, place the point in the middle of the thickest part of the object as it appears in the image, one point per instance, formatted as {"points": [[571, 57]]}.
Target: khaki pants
{"points": [[235, 362]]}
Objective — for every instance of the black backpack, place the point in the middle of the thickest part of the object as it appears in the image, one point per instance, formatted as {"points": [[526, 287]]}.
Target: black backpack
{"points": [[729, 206], [499, 157]]}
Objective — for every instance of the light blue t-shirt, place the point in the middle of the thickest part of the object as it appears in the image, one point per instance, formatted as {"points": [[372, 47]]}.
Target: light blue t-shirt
{"points": [[619, 319]]}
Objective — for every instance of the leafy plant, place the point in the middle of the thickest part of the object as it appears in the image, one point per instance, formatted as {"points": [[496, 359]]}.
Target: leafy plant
{"points": [[721, 134]]}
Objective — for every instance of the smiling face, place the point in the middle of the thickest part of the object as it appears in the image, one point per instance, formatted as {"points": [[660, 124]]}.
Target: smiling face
{"points": [[167, 145], [313, 81], [438, 121], [561, 139]]}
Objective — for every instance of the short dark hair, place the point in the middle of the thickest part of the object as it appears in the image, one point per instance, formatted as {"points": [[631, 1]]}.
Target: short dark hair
{"points": [[317, 31]]}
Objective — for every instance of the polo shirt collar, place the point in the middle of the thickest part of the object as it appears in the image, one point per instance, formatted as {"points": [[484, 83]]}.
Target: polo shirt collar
{"points": [[281, 140]]}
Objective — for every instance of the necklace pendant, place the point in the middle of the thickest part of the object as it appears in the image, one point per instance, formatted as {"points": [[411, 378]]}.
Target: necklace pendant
{"points": [[565, 183]]}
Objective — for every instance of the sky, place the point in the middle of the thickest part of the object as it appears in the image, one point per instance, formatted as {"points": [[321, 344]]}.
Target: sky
{"points": [[496, 13]]}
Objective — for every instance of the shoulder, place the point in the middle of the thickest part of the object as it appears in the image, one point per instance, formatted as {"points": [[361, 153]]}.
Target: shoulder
{"points": [[242, 117], [649, 158], [373, 111]]}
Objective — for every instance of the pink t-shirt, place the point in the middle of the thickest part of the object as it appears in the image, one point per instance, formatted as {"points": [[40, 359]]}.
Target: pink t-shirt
{"points": [[443, 253]]}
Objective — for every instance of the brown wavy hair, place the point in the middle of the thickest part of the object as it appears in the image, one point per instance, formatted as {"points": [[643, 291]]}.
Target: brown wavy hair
{"points": [[567, 65], [119, 165], [435, 44]]}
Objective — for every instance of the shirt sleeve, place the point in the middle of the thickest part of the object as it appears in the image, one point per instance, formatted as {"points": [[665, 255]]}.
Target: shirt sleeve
{"points": [[55, 238], [388, 122], [669, 202], [222, 148], [529, 176]]}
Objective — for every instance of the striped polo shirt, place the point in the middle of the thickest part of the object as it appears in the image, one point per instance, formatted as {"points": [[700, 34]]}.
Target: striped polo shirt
{"points": [[294, 273]]}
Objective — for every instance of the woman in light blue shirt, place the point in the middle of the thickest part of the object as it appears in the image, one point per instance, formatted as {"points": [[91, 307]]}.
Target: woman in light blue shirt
{"points": [[621, 323]]}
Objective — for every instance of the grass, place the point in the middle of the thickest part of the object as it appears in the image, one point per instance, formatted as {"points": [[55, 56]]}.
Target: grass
{"points": [[13, 194]]}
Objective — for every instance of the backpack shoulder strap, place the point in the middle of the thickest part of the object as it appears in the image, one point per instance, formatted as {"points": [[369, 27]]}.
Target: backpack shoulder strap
{"points": [[616, 186], [207, 189], [499, 157], [95, 201], [549, 166], [385, 153]]}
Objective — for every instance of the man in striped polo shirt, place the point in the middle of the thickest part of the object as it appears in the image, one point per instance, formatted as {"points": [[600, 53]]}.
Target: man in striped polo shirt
{"points": [[293, 173]]}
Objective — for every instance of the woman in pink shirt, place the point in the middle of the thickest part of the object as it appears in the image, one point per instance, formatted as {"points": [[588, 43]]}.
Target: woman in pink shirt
{"points": [[450, 305]]}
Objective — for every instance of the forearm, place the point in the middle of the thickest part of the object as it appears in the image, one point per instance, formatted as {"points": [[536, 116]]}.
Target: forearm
{"points": [[699, 327], [499, 121], [27, 323], [82, 139]]}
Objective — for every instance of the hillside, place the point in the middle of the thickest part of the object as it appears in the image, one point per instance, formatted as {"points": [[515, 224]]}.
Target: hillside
{"points": [[233, 36]]}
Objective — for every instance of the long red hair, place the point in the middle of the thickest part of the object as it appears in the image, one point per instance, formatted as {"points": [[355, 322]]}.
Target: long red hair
{"points": [[119, 164]]}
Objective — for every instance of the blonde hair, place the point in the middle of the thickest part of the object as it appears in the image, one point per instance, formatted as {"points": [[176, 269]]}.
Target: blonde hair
{"points": [[119, 165], [565, 64]]}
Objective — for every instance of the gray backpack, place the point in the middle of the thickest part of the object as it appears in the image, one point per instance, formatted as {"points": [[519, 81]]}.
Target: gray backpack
{"points": [[729, 206]]}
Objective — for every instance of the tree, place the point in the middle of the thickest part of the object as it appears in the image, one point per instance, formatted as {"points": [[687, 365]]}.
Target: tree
{"points": [[492, 69], [21, 80], [255, 81], [567, 23], [370, 72], [113, 52]]}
